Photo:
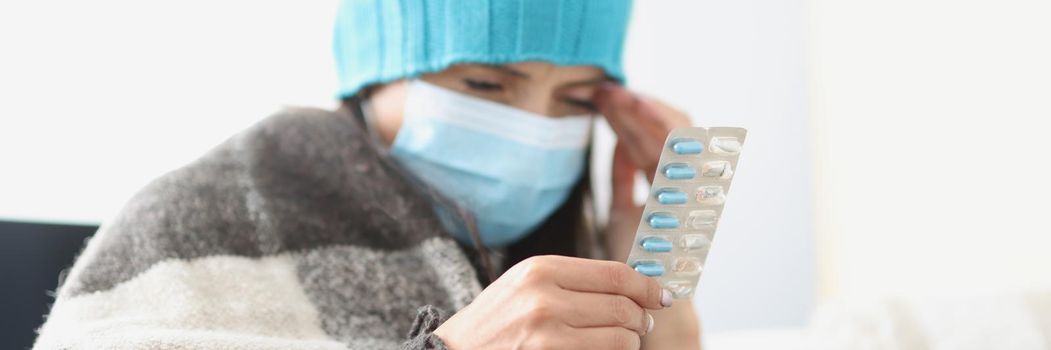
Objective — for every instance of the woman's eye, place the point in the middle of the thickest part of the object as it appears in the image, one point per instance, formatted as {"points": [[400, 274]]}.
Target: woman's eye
{"points": [[582, 104], [483, 85]]}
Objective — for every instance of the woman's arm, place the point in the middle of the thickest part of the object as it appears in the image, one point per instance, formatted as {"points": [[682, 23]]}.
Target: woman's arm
{"points": [[641, 126], [674, 328]]}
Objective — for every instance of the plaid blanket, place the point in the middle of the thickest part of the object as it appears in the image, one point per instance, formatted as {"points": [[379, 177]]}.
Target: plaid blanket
{"points": [[294, 234]]}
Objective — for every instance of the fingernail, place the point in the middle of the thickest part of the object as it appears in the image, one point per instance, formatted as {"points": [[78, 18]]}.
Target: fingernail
{"points": [[649, 328], [666, 298]]}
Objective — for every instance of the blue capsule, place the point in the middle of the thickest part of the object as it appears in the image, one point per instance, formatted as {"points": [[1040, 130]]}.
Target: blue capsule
{"points": [[679, 172], [687, 146], [656, 245], [663, 220], [652, 269], [671, 197]]}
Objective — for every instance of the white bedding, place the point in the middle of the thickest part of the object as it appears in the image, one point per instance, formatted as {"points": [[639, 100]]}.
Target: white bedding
{"points": [[1020, 321], [762, 339]]}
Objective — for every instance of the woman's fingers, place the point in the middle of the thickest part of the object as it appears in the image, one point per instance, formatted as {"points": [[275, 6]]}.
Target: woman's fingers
{"points": [[642, 124], [559, 302], [611, 338], [615, 104], [600, 276], [606, 310], [623, 107], [664, 115]]}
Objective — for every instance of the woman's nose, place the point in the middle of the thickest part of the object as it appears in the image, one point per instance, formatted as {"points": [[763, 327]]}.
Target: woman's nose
{"points": [[538, 104]]}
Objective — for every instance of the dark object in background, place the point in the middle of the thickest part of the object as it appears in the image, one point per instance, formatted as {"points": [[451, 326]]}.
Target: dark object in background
{"points": [[31, 257]]}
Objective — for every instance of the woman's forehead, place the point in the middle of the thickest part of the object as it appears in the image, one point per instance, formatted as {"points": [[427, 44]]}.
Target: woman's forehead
{"points": [[537, 70]]}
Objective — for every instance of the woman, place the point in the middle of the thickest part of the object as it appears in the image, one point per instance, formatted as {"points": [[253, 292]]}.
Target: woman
{"points": [[444, 205]]}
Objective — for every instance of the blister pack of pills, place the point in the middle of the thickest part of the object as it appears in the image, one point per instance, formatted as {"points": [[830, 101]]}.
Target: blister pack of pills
{"points": [[684, 206]]}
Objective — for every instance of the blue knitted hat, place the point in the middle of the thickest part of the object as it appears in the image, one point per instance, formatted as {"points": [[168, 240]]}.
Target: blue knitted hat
{"points": [[383, 40]]}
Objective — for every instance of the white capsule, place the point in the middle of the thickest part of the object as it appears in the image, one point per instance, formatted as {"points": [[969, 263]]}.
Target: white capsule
{"points": [[702, 219], [679, 289], [718, 169], [711, 195], [687, 265], [694, 242], [726, 145]]}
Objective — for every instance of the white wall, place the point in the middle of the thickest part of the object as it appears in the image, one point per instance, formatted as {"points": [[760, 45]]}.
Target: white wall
{"points": [[740, 63], [100, 97], [931, 119]]}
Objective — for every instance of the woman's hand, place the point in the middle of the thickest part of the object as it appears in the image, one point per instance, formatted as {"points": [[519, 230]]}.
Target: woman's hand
{"points": [[557, 302], [642, 125]]}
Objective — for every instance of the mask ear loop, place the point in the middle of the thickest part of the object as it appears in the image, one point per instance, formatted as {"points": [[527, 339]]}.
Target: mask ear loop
{"points": [[468, 219]]}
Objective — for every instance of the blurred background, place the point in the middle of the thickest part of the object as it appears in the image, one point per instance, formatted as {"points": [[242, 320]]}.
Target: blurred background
{"points": [[894, 190]]}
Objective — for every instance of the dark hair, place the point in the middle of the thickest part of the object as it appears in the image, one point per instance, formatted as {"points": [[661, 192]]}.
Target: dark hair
{"points": [[567, 231]]}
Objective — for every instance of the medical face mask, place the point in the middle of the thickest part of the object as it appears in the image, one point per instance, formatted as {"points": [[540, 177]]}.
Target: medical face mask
{"points": [[509, 168]]}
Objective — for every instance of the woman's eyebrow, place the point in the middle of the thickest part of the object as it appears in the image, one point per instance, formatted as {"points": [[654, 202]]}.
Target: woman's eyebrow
{"points": [[511, 71], [506, 70], [595, 81]]}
